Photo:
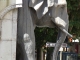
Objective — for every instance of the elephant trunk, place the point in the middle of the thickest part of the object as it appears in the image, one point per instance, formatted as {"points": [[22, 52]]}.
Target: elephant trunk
{"points": [[60, 40]]}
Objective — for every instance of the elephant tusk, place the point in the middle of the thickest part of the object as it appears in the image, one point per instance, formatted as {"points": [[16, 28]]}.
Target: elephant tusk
{"points": [[61, 27], [66, 32]]}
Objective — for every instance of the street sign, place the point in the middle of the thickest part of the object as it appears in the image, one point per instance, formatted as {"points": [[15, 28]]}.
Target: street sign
{"points": [[49, 44]]}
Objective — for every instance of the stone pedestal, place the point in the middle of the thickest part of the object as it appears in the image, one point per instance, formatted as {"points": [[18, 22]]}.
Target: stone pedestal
{"points": [[8, 28], [8, 34]]}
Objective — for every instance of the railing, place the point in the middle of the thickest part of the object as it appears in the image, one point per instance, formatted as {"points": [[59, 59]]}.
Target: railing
{"points": [[68, 56]]}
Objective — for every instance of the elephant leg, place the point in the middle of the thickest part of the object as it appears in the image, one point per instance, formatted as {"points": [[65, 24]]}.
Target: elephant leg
{"points": [[20, 51], [60, 39]]}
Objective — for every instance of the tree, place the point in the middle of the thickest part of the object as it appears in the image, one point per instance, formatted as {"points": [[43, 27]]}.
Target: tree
{"points": [[74, 16]]}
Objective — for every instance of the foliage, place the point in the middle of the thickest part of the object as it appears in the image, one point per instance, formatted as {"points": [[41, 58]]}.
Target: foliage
{"points": [[74, 16], [44, 35]]}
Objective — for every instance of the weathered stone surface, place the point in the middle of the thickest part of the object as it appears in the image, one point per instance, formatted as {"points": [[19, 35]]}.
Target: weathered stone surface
{"points": [[14, 24], [5, 3], [8, 29], [5, 50], [6, 33], [8, 16], [26, 25], [13, 50]]}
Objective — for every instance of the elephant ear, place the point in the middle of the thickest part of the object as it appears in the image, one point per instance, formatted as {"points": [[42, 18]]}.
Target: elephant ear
{"points": [[42, 6]]}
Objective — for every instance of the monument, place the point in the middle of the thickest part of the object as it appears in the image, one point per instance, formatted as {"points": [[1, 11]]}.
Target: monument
{"points": [[18, 19]]}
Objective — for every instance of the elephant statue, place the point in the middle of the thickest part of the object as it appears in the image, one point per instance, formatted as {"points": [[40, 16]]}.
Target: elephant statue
{"points": [[41, 13], [37, 13]]}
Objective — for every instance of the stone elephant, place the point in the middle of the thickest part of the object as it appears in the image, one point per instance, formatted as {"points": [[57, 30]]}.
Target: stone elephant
{"points": [[41, 13]]}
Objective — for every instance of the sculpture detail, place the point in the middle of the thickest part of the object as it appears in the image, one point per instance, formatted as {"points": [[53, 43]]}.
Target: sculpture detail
{"points": [[40, 13], [28, 46]]}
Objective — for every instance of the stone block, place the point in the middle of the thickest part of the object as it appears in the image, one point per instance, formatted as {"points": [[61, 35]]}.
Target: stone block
{"points": [[5, 50], [15, 14], [8, 16], [14, 24], [13, 50], [6, 31], [0, 28], [3, 4]]}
